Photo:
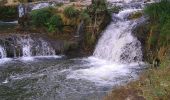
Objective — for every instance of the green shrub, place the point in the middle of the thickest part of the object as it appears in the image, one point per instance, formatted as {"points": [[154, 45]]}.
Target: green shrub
{"points": [[41, 17], [46, 18], [85, 16], [165, 33], [55, 24], [71, 12], [8, 13], [159, 13]]}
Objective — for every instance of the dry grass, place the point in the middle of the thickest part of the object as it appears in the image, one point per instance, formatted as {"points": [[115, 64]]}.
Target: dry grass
{"points": [[154, 84]]}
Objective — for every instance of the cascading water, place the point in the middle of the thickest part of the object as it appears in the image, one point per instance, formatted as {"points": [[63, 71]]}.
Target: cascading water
{"points": [[21, 10], [26, 43], [117, 43], [25, 46], [115, 62], [79, 29], [2, 52], [117, 51]]}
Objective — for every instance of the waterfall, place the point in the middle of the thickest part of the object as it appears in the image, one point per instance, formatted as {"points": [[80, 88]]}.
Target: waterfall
{"points": [[117, 43], [25, 46], [21, 10], [2, 52], [35, 47], [46, 49], [117, 52], [26, 43], [79, 29], [40, 6]]}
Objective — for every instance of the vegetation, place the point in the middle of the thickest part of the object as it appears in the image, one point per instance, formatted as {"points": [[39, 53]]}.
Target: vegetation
{"points": [[154, 84], [8, 13], [46, 18], [71, 12], [55, 24], [159, 14]]}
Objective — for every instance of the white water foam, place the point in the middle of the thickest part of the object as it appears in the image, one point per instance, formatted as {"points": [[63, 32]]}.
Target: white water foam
{"points": [[40, 6], [105, 73], [116, 55], [5, 60], [2, 52], [34, 58]]}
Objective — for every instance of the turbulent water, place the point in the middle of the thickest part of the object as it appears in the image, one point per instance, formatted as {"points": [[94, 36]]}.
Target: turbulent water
{"points": [[24, 46], [117, 43], [117, 59]]}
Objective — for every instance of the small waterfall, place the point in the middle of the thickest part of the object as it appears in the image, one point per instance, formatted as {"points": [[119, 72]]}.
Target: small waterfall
{"points": [[2, 52], [117, 43], [117, 52], [40, 6], [46, 49], [25, 46], [26, 43], [79, 29], [21, 10]]}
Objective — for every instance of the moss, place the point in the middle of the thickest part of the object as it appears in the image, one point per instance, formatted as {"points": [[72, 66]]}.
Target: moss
{"points": [[135, 15]]}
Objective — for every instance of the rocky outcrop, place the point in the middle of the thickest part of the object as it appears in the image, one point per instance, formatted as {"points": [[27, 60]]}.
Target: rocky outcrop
{"points": [[141, 32]]}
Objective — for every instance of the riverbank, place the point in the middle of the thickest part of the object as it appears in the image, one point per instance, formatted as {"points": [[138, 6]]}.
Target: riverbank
{"points": [[153, 84]]}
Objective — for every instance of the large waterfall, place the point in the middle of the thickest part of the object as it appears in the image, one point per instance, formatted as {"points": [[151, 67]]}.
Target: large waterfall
{"points": [[25, 46], [117, 51], [117, 43]]}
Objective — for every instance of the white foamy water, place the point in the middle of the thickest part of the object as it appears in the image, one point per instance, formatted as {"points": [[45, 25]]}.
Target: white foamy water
{"points": [[34, 58], [26, 48], [40, 6], [104, 73], [117, 43], [116, 55], [2, 52], [4, 60], [32, 47]]}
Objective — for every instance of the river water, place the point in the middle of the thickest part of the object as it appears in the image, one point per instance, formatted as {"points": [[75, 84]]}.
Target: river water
{"points": [[117, 60]]}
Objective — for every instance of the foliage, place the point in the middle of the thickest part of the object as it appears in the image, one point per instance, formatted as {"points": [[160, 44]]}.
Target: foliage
{"points": [[165, 33], [71, 12], [153, 84], [85, 16], [159, 13], [8, 12], [98, 6], [41, 17], [55, 24], [46, 18]]}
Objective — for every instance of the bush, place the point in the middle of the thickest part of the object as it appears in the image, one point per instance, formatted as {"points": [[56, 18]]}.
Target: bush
{"points": [[55, 24], [71, 12], [46, 18], [41, 17], [159, 13], [85, 16]]}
